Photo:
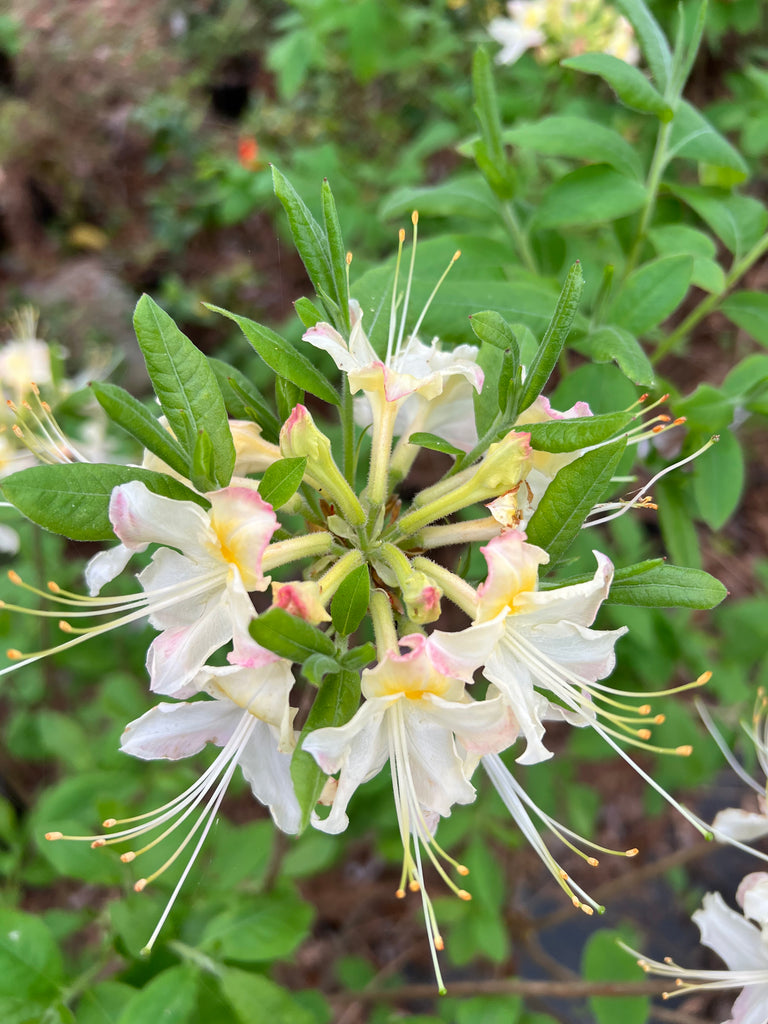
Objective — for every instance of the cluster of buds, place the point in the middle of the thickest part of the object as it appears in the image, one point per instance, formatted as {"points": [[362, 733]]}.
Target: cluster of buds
{"points": [[217, 497]]}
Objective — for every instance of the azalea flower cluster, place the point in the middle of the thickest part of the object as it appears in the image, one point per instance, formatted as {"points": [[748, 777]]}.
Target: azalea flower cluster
{"points": [[555, 29], [432, 703], [740, 940]]}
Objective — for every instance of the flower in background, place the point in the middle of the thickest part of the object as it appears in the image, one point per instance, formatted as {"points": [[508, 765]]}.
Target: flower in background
{"points": [[562, 28], [738, 942], [24, 359]]}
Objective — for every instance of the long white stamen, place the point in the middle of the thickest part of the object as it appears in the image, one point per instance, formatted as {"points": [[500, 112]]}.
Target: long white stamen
{"points": [[406, 300], [393, 308], [725, 750]]}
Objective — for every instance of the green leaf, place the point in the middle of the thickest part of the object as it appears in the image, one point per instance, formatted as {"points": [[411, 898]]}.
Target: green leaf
{"points": [[672, 239], [307, 312], [666, 586], [570, 496], [130, 414], [308, 237], [335, 703], [677, 526], [652, 40], [491, 327], [282, 357], [358, 657], [746, 378], [244, 400], [604, 960], [185, 385], [489, 150], [73, 498], [579, 432], [336, 250], [281, 480], [552, 343], [245, 991], [707, 409], [749, 310], [463, 196], [169, 997], [30, 962], [103, 1003], [589, 195], [434, 443], [611, 342], [489, 1010], [268, 927], [510, 379], [350, 602], [290, 636], [651, 293], [578, 138], [287, 397], [629, 83], [317, 667], [739, 221], [718, 480], [202, 473], [490, 359], [694, 137]]}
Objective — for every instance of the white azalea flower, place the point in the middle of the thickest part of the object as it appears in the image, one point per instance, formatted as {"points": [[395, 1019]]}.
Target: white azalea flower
{"points": [[521, 31], [736, 941], [418, 716], [251, 720], [195, 589]]}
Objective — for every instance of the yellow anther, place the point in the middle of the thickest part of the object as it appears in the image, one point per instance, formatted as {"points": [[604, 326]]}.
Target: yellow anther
{"points": [[13, 654], [126, 858], [644, 734], [659, 719], [65, 626], [592, 861], [587, 910], [400, 894], [632, 853], [98, 843], [684, 751], [51, 836], [439, 944], [462, 869], [644, 709], [415, 218], [109, 822], [53, 587], [704, 678], [413, 885], [140, 886], [13, 576], [401, 235], [463, 894]]}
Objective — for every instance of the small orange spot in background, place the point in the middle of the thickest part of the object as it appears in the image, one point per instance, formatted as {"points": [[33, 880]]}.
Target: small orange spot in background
{"points": [[248, 153]]}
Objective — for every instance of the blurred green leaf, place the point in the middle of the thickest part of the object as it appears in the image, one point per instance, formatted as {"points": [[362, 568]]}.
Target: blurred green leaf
{"points": [[578, 138], [554, 338], [589, 195], [611, 342], [651, 293], [251, 994], [718, 480], [30, 962], [310, 241], [629, 83], [104, 1003], [652, 40], [130, 414], [749, 310], [604, 960], [693, 136], [267, 927], [169, 997]]}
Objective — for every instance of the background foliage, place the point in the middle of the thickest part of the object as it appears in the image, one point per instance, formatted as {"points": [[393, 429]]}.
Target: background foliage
{"points": [[135, 139]]}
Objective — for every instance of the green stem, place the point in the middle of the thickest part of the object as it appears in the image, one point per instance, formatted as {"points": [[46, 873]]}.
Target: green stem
{"points": [[706, 306], [383, 623], [348, 433], [658, 163], [519, 237], [381, 449], [308, 546]]}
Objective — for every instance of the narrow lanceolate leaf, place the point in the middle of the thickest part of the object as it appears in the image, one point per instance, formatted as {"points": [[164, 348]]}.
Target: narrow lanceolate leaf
{"points": [[73, 499], [435, 443], [335, 703], [668, 586], [185, 385], [307, 312], [129, 413], [281, 480], [350, 602], [653, 42], [337, 252], [569, 498], [629, 83], [287, 397], [243, 399], [552, 343], [580, 432], [290, 637], [308, 236], [282, 357]]}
